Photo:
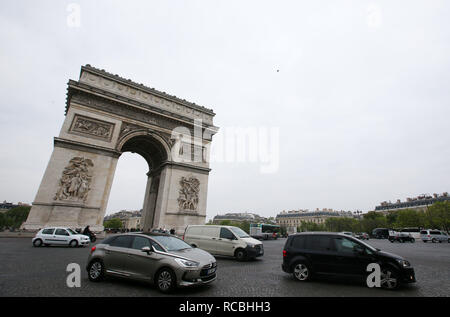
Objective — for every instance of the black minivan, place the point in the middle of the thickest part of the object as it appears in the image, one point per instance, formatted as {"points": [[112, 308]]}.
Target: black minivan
{"points": [[309, 253], [380, 233]]}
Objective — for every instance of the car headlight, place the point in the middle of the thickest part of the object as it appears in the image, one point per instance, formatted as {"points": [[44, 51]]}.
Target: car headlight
{"points": [[186, 263], [404, 263]]}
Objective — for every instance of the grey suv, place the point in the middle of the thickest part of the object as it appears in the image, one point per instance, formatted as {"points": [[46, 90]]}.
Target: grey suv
{"points": [[434, 236], [162, 259]]}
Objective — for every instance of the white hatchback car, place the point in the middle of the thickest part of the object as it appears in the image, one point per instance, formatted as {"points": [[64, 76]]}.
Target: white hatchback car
{"points": [[60, 236]]}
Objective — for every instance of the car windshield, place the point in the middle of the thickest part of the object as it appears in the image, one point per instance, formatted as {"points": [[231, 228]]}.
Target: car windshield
{"points": [[239, 232], [171, 243], [71, 231]]}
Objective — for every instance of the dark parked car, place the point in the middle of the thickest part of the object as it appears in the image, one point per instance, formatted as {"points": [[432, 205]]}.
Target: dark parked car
{"points": [[309, 253], [380, 233]]}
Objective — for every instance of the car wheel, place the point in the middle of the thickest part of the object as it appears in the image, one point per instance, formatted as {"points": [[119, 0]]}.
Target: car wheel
{"points": [[389, 279], [412, 240], [240, 255], [96, 271], [433, 240], [73, 243], [165, 280], [302, 272], [37, 243]]}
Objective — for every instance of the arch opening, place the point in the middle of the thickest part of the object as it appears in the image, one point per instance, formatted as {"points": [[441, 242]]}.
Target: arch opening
{"points": [[155, 153], [128, 186], [150, 148]]}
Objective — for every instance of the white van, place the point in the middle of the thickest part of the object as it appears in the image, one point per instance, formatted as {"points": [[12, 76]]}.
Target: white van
{"points": [[223, 240], [413, 232]]}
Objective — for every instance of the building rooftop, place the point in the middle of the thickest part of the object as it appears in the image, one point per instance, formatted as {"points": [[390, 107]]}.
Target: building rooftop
{"points": [[314, 213], [422, 200]]}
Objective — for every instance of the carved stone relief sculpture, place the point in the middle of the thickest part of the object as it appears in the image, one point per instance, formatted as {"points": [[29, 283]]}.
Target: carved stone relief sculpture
{"points": [[128, 127], [190, 188], [75, 181], [92, 127]]}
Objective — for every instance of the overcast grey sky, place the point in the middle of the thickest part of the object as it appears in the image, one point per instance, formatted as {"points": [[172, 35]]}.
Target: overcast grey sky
{"points": [[359, 90]]}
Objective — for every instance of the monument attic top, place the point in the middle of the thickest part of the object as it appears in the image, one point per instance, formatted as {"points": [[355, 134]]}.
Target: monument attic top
{"points": [[107, 84], [129, 82]]}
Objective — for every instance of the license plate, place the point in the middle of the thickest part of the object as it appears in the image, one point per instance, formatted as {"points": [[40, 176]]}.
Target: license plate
{"points": [[211, 271]]}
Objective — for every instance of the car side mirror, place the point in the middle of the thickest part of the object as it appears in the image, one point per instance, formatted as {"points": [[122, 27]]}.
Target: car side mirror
{"points": [[147, 250]]}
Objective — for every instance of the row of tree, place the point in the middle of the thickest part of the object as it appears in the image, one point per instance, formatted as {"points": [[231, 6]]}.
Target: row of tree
{"points": [[114, 223], [14, 217], [436, 216], [244, 225]]}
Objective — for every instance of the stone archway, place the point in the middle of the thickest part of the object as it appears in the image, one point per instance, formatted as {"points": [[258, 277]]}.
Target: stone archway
{"points": [[107, 115]]}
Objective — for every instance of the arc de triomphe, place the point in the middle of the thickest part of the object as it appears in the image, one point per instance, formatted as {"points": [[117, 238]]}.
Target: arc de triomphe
{"points": [[107, 115]]}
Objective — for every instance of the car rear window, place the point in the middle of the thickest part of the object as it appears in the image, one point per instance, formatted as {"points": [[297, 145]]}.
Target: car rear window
{"points": [[108, 240], [298, 242], [318, 243], [140, 242], [423, 232], [121, 241], [61, 232]]}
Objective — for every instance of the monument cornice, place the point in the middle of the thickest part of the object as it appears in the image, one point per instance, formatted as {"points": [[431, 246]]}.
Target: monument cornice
{"points": [[65, 204], [199, 169], [96, 97], [75, 145], [182, 213]]}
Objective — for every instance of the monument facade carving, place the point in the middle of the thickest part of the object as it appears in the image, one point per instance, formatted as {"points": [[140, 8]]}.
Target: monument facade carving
{"points": [[189, 192], [131, 113], [92, 127], [75, 181], [128, 127]]}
